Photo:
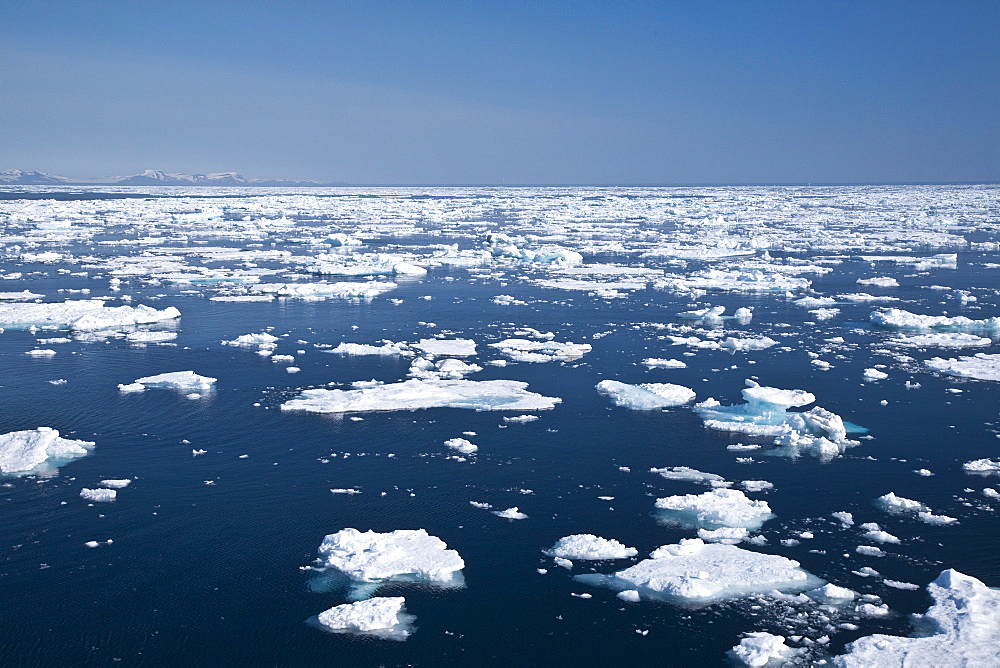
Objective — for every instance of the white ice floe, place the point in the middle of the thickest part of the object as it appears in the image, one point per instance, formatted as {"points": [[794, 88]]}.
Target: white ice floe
{"points": [[941, 340], [510, 514], [525, 350], [388, 348], [900, 319], [693, 571], [483, 395], [444, 369], [982, 366], [38, 449], [40, 352], [462, 445], [660, 363], [727, 535], [150, 337], [521, 418], [831, 593], [880, 281], [380, 617], [689, 474], [629, 596], [181, 381], [85, 315], [982, 466], [733, 281], [99, 495], [258, 340], [874, 374], [323, 290], [714, 509], [446, 347], [891, 503], [961, 628], [117, 484], [585, 546], [646, 396], [761, 648], [404, 555]]}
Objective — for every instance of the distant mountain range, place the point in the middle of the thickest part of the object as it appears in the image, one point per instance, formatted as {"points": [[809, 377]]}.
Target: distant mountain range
{"points": [[152, 177]]}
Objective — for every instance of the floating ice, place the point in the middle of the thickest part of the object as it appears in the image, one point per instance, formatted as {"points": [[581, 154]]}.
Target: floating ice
{"points": [[629, 596], [647, 396], [86, 315], [874, 374], [900, 319], [891, 503], [483, 395], [659, 363], [983, 466], [880, 281], [150, 337], [404, 555], [462, 445], [323, 290], [585, 546], [446, 369], [260, 340], [117, 484], [982, 366], [524, 350], [446, 347], [714, 509], [381, 617], [40, 449], [690, 475], [733, 281], [832, 593], [40, 353], [941, 340], [98, 495], [386, 349], [182, 381], [760, 648], [510, 514], [961, 628], [695, 572]]}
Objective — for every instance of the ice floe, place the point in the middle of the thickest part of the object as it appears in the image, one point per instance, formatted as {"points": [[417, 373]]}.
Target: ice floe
{"points": [[181, 381], [900, 319], [981, 366], [714, 509], [585, 546], [941, 340], [380, 617], [525, 350], [40, 449], [86, 315], [646, 396], [961, 628], [100, 495], [761, 648]]}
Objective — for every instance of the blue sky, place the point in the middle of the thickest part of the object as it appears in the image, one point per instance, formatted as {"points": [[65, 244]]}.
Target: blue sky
{"points": [[505, 92]]}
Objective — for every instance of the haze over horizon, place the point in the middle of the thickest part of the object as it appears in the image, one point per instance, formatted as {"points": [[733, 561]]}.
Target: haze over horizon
{"points": [[521, 93]]}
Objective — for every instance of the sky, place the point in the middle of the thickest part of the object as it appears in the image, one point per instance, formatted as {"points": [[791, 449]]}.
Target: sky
{"points": [[542, 92]]}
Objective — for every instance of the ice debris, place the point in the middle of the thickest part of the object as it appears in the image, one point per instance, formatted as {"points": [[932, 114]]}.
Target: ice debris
{"points": [[23, 452], [761, 648]]}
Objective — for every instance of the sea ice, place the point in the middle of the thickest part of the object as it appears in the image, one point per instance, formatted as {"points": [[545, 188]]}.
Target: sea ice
{"points": [[659, 363], [510, 514], [386, 349], [380, 617], [900, 319], [983, 466], [982, 366], [85, 315], [941, 340], [961, 628], [98, 495], [26, 451], [714, 509], [483, 395], [182, 381], [647, 396], [117, 484], [585, 546], [446, 347], [525, 350], [891, 503], [693, 571], [462, 445], [404, 555], [690, 475], [760, 648]]}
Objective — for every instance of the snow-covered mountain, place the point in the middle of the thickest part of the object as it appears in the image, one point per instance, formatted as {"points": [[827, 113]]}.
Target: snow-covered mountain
{"points": [[155, 177], [21, 178]]}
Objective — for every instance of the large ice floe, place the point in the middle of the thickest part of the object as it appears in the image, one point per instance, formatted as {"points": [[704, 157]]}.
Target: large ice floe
{"points": [[38, 450], [900, 319], [82, 315], [369, 559], [525, 350], [818, 432], [181, 381], [714, 509], [586, 546], [695, 572], [647, 396], [382, 617], [482, 395], [981, 366], [961, 628], [323, 290], [941, 340]]}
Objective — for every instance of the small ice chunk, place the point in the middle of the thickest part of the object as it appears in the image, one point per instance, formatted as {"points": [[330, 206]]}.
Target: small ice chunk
{"points": [[40, 353], [714, 509], [761, 648], [510, 514], [647, 396], [846, 519], [184, 381], [660, 363], [446, 347], [629, 595], [875, 374], [98, 495], [589, 547], [117, 484], [891, 503], [462, 445], [831, 592], [688, 474], [982, 366], [869, 550], [402, 555], [982, 466], [896, 584]]}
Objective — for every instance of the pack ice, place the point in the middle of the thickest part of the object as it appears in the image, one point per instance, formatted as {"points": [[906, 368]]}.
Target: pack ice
{"points": [[981, 366], [961, 628], [693, 571], [482, 395], [82, 315], [30, 450], [403, 555], [380, 617]]}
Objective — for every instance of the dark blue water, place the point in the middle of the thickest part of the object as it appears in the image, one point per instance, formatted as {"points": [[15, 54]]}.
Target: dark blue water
{"points": [[210, 574]]}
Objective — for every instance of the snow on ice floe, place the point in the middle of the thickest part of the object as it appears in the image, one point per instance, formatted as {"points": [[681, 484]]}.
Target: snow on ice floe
{"points": [[381, 617], [388, 348], [961, 628], [661, 363], [646, 396], [100, 495], [482, 395], [525, 350], [403, 555], [900, 319], [981, 366], [462, 445], [510, 514], [41, 449], [588, 547], [82, 315], [446, 347], [714, 509], [733, 281], [182, 381], [695, 572], [982, 466], [941, 340], [761, 648]]}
